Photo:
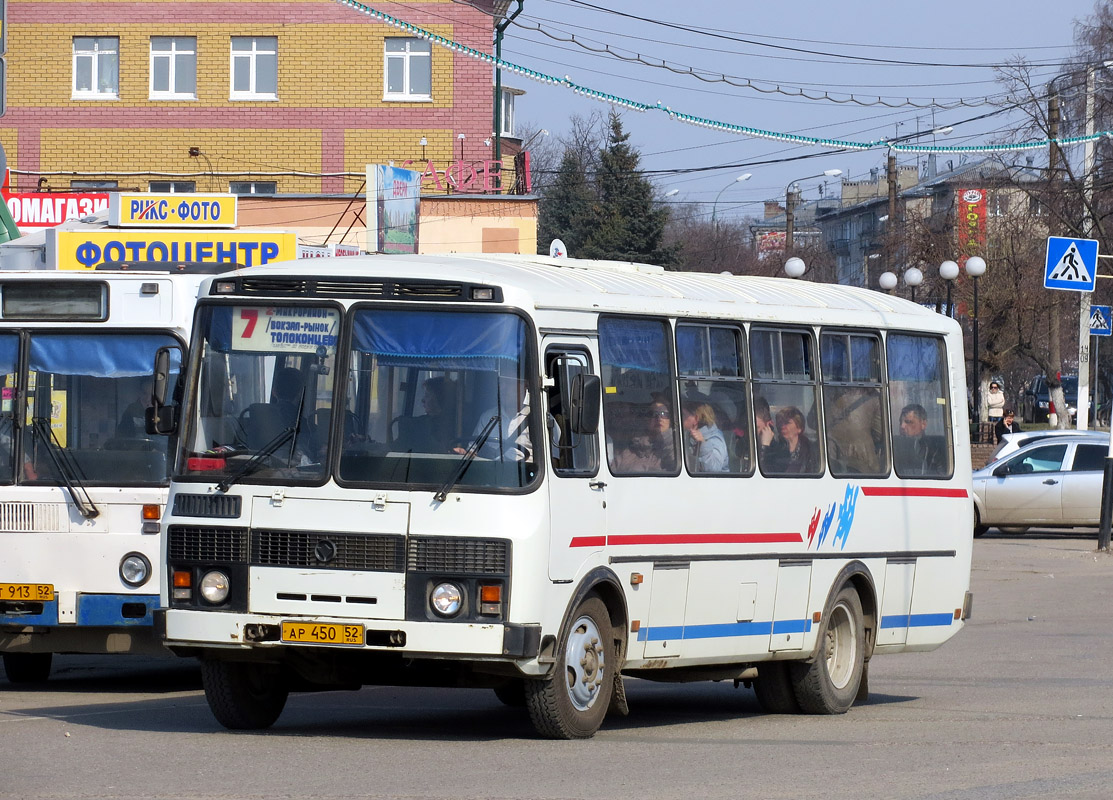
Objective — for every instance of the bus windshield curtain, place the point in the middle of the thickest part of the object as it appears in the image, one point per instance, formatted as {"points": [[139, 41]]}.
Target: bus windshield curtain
{"points": [[100, 356], [450, 340], [914, 358]]}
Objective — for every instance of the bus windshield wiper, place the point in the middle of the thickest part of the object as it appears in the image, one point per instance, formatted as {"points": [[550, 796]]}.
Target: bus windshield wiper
{"points": [[256, 460], [466, 459], [66, 468]]}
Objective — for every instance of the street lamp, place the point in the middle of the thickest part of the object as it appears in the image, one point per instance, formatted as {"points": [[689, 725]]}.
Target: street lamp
{"points": [[887, 281], [790, 203], [948, 271], [913, 278], [745, 176], [975, 268], [795, 267]]}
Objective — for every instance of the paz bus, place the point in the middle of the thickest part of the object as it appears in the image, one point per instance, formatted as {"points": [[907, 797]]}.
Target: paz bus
{"points": [[541, 476], [82, 484]]}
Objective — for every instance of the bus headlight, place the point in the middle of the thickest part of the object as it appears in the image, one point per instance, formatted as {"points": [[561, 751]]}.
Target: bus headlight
{"points": [[135, 569], [214, 587], [446, 599]]}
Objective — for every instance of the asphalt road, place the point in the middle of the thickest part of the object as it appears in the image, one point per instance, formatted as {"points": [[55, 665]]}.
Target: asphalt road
{"points": [[1019, 705]]}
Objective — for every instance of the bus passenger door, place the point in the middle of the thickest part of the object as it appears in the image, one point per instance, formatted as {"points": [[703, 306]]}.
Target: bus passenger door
{"points": [[577, 497], [790, 611]]}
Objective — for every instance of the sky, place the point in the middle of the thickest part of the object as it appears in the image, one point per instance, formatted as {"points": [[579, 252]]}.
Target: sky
{"points": [[841, 49]]}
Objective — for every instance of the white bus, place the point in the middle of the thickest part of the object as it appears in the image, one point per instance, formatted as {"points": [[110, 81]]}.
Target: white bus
{"points": [[733, 478], [82, 485]]}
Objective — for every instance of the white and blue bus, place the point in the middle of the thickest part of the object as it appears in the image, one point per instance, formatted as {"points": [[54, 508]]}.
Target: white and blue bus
{"points": [[541, 475], [82, 484]]}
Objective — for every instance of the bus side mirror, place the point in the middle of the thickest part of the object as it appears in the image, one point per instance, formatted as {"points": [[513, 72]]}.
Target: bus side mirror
{"points": [[162, 419], [585, 402]]}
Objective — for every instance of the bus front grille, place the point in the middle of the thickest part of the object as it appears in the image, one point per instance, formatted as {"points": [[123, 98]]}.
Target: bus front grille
{"points": [[355, 551], [207, 505], [208, 544], [30, 517], [464, 556]]}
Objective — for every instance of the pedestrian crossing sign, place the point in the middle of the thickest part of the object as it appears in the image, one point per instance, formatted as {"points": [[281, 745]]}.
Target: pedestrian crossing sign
{"points": [[1072, 264], [1101, 321]]}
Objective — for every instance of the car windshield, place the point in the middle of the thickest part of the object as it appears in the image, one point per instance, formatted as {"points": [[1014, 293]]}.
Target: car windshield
{"points": [[84, 406], [264, 388], [1070, 388]]}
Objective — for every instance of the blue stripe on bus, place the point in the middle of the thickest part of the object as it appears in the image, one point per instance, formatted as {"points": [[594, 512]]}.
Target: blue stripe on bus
{"points": [[916, 620], [664, 633], [100, 610]]}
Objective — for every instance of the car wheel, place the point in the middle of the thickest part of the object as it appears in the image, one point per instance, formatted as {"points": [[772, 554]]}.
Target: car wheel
{"points": [[979, 528]]}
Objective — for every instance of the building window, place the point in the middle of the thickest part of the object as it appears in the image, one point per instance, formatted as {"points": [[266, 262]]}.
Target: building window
{"points": [[85, 186], [507, 123], [998, 204], [96, 67], [1036, 207], [254, 68], [172, 187], [252, 187], [408, 69], [173, 68]]}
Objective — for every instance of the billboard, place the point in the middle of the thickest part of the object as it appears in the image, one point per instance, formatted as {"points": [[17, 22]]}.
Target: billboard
{"points": [[393, 201], [86, 249], [970, 226]]}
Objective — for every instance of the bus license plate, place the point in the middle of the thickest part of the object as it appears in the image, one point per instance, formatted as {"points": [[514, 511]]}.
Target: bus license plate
{"points": [[42, 592], [322, 633]]}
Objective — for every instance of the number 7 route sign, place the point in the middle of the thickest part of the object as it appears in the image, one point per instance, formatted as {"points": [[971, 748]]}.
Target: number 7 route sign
{"points": [[1072, 264]]}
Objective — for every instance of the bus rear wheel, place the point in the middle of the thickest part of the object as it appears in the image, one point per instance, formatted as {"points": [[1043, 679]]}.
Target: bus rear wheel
{"points": [[244, 696], [27, 667], [572, 701], [829, 684]]}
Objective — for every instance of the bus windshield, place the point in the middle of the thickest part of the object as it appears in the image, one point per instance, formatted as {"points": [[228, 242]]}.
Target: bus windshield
{"points": [[425, 387], [421, 390], [85, 400], [264, 390]]}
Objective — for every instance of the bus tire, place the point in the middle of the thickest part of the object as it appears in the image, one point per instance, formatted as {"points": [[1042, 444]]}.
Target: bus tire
{"points": [[773, 688], [27, 667], [244, 696], [573, 700], [829, 684]]}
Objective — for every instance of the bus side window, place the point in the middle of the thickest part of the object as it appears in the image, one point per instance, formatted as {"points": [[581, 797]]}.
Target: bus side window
{"points": [[574, 454], [921, 416]]}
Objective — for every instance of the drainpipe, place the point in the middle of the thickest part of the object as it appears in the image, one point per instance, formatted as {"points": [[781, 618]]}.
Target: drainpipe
{"points": [[499, 29]]}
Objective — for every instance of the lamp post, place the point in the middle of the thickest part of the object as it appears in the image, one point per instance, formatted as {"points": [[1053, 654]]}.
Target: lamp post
{"points": [[790, 205], [745, 176], [913, 277], [887, 281], [975, 268], [795, 267], [948, 271]]}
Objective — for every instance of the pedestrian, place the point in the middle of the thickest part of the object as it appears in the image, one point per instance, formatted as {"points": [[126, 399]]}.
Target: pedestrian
{"points": [[1007, 424], [995, 402]]}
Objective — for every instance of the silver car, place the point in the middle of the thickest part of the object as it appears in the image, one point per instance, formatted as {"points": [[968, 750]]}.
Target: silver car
{"points": [[1051, 482], [1011, 442]]}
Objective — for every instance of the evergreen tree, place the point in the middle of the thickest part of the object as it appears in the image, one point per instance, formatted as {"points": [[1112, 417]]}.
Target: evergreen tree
{"points": [[610, 214]]}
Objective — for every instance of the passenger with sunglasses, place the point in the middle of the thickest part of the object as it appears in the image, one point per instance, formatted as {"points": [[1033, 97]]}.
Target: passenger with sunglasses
{"points": [[652, 443], [995, 402]]}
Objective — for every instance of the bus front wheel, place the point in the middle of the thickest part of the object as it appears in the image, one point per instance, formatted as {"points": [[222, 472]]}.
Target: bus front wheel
{"points": [[27, 667], [829, 684], [244, 696], [572, 701]]}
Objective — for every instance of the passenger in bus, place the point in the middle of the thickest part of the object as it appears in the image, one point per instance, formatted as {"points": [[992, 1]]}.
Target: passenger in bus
{"points": [[792, 453], [915, 453], [855, 431], [650, 445], [705, 445]]}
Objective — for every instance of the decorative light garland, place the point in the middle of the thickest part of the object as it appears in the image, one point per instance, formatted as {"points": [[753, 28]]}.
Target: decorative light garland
{"points": [[702, 122]]}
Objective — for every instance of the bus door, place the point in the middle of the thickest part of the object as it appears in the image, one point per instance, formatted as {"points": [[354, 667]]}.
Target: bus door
{"points": [[790, 610], [577, 498]]}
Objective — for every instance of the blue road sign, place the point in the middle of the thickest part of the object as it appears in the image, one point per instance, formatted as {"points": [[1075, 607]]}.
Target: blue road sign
{"points": [[1101, 320], [1072, 264]]}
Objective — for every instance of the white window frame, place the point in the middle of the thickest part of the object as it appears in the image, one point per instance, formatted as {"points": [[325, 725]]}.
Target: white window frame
{"points": [[506, 119], [254, 185], [406, 58], [102, 46], [179, 46], [174, 187], [252, 57]]}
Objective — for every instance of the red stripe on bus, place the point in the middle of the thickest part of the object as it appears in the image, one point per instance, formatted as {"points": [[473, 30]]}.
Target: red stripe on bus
{"points": [[688, 538], [588, 541], [911, 491]]}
